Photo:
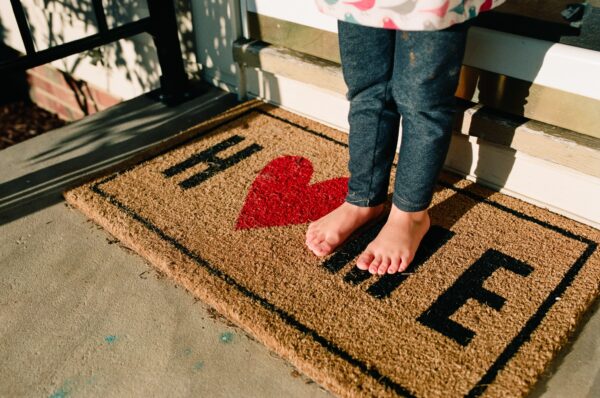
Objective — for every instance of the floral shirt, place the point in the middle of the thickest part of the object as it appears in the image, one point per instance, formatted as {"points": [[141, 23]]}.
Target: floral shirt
{"points": [[406, 14]]}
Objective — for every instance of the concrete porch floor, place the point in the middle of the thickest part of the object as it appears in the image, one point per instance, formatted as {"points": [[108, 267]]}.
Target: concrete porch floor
{"points": [[82, 316]]}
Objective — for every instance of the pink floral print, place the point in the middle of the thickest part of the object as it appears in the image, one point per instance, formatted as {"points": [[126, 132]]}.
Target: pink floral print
{"points": [[406, 14]]}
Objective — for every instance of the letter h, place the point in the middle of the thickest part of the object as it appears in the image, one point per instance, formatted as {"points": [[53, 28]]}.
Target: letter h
{"points": [[215, 163]]}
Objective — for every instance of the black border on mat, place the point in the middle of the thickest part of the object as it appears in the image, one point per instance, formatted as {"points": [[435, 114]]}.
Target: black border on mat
{"points": [[511, 349]]}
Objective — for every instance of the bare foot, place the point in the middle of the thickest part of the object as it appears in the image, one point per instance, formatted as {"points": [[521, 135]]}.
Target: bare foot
{"points": [[396, 244], [331, 230]]}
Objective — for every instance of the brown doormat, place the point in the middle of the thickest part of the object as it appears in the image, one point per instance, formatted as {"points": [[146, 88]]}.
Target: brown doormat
{"points": [[492, 295]]}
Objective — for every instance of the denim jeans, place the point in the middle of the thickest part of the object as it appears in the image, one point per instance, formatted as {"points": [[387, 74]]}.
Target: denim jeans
{"points": [[390, 74]]}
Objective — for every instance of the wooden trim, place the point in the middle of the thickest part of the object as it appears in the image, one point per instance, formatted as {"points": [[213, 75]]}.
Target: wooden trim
{"points": [[533, 101], [301, 38], [499, 91], [562, 146]]}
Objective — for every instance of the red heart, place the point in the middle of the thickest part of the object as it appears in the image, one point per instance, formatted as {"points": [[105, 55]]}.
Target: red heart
{"points": [[281, 195]]}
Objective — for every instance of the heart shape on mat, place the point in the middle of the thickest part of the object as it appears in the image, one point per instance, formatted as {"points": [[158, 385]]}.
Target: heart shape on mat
{"points": [[281, 195]]}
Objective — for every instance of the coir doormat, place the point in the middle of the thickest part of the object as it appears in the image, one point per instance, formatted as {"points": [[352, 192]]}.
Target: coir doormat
{"points": [[493, 293]]}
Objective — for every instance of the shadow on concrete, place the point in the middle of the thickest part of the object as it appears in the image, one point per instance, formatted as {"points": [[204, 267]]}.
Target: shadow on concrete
{"points": [[95, 145], [541, 387]]}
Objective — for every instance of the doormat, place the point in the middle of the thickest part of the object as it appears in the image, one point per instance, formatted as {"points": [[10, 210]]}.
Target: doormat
{"points": [[493, 293]]}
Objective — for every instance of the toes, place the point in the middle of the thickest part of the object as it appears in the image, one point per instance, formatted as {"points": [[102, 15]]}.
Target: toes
{"points": [[365, 260], [314, 244], [313, 233], [319, 251], [395, 264], [324, 248], [404, 263], [383, 267], [319, 246], [310, 235], [375, 264]]}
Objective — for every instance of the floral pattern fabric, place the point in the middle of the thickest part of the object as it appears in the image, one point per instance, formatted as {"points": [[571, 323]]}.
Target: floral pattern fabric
{"points": [[406, 14]]}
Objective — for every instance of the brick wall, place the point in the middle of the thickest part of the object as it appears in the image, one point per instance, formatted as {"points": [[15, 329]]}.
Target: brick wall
{"points": [[69, 98]]}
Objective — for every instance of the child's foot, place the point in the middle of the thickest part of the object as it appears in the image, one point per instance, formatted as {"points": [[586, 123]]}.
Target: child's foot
{"points": [[396, 244], [331, 230]]}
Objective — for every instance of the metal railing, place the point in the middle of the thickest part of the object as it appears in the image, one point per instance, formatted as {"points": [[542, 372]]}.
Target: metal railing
{"points": [[161, 24]]}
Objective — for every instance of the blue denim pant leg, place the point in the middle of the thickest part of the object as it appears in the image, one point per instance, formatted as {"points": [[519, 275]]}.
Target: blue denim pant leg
{"points": [[367, 56], [424, 81], [389, 73]]}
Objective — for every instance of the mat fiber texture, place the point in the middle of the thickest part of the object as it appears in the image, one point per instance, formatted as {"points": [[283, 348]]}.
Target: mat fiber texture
{"points": [[493, 293]]}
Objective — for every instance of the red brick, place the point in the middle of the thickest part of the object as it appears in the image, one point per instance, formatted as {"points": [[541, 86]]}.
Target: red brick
{"points": [[66, 95], [50, 73], [54, 105], [53, 85], [36, 73], [63, 92], [104, 99]]}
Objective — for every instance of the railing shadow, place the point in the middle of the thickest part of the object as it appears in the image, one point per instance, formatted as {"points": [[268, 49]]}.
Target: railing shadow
{"points": [[96, 145]]}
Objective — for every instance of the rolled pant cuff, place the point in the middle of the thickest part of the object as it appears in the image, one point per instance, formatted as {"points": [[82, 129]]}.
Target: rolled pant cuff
{"points": [[362, 202], [405, 205]]}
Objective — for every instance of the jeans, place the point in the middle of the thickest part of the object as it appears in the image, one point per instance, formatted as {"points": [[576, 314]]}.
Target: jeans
{"points": [[390, 74]]}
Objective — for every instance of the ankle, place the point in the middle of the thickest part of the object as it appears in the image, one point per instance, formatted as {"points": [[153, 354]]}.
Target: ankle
{"points": [[365, 209], [421, 216]]}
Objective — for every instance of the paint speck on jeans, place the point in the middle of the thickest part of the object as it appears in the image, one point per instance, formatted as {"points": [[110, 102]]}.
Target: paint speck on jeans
{"points": [[412, 58], [110, 339], [199, 365], [226, 337]]}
